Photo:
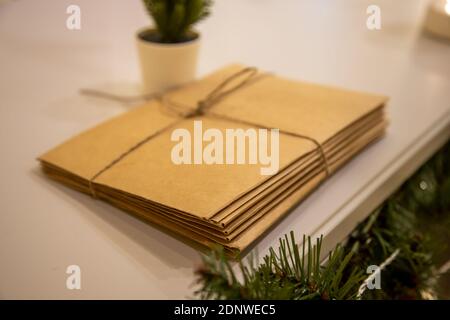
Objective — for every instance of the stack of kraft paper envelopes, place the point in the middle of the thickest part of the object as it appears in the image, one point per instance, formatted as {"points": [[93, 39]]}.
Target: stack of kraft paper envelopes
{"points": [[187, 172]]}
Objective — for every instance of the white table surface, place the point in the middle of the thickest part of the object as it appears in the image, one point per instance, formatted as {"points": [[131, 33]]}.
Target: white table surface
{"points": [[45, 227]]}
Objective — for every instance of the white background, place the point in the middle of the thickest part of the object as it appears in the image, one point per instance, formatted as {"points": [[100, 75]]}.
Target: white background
{"points": [[45, 227]]}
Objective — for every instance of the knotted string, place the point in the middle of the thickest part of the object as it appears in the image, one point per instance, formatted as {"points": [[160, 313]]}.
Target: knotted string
{"points": [[249, 74], [219, 92]]}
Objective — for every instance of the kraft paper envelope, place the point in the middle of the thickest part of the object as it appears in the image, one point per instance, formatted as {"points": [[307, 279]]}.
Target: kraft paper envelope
{"points": [[246, 238], [278, 188], [369, 136], [259, 227], [127, 160], [281, 181]]}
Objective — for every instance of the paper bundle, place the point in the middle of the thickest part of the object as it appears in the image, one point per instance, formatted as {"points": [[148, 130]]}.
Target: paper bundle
{"points": [[129, 161]]}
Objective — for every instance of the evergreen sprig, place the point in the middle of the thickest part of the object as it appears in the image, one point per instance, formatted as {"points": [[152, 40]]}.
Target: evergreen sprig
{"points": [[415, 221], [289, 272], [173, 19]]}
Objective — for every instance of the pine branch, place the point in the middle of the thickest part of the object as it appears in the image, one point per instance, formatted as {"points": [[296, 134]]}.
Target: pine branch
{"points": [[286, 273], [414, 220], [410, 230]]}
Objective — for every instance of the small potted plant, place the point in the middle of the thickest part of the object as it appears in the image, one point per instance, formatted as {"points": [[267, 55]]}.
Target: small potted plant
{"points": [[168, 51]]}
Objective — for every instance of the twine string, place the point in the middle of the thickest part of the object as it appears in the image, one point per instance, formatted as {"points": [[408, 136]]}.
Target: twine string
{"points": [[223, 89], [219, 92], [372, 276], [320, 149]]}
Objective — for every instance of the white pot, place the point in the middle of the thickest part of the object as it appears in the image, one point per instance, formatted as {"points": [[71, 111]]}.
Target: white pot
{"points": [[165, 65]]}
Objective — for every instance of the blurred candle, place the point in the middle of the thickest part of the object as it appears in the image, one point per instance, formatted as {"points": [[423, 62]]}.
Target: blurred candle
{"points": [[438, 18]]}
